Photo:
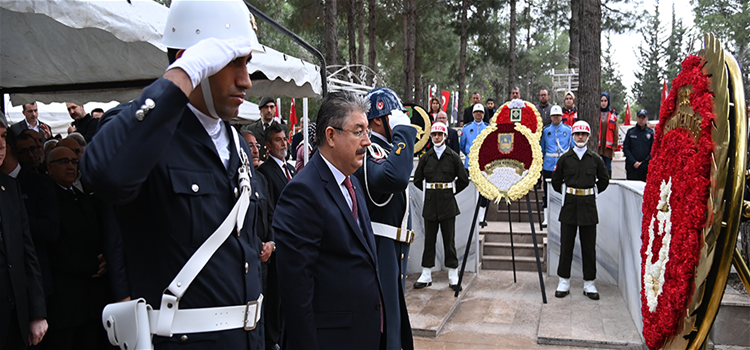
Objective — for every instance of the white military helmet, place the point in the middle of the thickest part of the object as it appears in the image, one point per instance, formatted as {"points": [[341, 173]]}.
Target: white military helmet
{"points": [[439, 127], [581, 126], [556, 110], [190, 21]]}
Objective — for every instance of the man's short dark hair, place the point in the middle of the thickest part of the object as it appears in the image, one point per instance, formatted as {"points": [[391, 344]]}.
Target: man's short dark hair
{"points": [[10, 141], [172, 54], [97, 110], [334, 110], [27, 104], [476, 93], [489, 99], [25, 135], [515, 88], [273, 128]]}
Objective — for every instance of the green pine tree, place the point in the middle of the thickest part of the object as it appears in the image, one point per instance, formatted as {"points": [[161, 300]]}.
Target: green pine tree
{"points": [[648, 84], [674, 49], [612, 81]]}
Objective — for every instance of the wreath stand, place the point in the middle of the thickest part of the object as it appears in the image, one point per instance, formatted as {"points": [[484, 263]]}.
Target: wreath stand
{"points": [[533, 236]]}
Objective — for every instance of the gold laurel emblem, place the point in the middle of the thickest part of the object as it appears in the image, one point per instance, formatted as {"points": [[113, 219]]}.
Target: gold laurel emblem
{"points": [[505, 142]]}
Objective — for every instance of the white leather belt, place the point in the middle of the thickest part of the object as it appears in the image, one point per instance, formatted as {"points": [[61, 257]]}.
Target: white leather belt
{"points": [[438, 185], [580, 191], [553, 155], [392, 232], [212, 319]]}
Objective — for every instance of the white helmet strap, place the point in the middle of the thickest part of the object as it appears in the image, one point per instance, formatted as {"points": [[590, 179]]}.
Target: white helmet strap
{"points": [[208, 98]]}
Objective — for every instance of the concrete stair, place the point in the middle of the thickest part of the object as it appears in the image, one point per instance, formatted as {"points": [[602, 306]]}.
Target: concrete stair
{"points": [[495, 246], [518, 210]]}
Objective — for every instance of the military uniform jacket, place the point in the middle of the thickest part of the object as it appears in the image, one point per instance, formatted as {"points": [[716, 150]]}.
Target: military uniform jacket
{"points": [[171, 192], [580, 173], [440, 204], [637, 148]]}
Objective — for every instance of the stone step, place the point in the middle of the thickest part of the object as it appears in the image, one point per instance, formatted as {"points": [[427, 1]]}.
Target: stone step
{"points": [[518, 237], [515, 216], [505, 227], [523, 263], [504, 249]]}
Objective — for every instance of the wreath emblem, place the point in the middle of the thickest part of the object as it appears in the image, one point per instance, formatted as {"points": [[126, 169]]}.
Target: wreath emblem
{"points": [[509, 168]]}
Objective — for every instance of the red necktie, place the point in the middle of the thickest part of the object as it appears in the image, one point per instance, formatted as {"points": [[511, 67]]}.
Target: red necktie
{"points": [[286, 170], [350, 188]]}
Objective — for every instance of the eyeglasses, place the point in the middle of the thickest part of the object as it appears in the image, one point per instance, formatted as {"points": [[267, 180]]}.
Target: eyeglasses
{"points": [[358, 133], [65, 161]]}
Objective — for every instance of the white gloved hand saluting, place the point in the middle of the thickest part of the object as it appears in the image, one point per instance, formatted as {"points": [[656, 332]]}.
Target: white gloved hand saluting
{"points": [[398, 118], [209, 56]]}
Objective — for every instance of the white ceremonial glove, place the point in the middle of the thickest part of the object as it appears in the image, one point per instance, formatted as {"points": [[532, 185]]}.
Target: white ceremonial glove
{"points": [[209, 56], [398, 118]]}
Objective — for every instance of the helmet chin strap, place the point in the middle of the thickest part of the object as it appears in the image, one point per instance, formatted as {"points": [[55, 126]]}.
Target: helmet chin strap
{"points": [[208, 98], [440, 144], [386, 128], [582, 144]]}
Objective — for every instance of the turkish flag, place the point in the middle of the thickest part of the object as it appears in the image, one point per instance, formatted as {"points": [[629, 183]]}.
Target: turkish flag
{"points": [[446, 97], [292, 114], [664, 92], [277, 117], [627, 114]]}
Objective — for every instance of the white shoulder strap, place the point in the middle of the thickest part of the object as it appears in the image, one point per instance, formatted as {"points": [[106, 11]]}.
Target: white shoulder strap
{"points": [[236, 218]]}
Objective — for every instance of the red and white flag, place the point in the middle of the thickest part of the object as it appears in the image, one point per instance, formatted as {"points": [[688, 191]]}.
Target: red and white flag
{"points": [[446, 97], [664, 92], [627, 114], [277, 117]]}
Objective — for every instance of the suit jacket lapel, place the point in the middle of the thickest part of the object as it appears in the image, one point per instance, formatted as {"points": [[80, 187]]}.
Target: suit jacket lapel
{"points": [[334, 190], [5, 216]]}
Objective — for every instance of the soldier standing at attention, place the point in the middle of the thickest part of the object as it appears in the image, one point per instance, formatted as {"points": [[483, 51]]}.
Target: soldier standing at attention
{"points": [[385, 175], [439, 168], [580, 169]]}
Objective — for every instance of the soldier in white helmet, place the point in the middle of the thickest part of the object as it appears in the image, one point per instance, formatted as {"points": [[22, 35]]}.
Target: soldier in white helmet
{"points": [[444, 176], [583, 173], [175, 168]]}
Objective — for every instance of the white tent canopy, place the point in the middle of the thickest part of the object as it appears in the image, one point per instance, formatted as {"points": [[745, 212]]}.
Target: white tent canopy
{"points": [[81, 51]]}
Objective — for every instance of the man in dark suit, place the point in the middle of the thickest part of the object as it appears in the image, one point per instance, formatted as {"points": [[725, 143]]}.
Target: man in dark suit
{"points": [[272, 180], [77, 260], [31, 114], [177, 170], [326, 250], [452, 141], [41, 207], [83, 123], [29, 149], [22, 308]]}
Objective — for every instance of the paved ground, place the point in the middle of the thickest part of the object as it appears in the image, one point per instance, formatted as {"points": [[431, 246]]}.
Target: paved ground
{"points": [[496, 313]]}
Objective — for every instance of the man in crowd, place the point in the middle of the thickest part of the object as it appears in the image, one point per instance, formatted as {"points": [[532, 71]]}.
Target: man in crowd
{"points": [[544, 107], [31, 121], [29, 150], [82, 122], [637, 148], [439, 168], [267, 108], [77, 261], [177, 170], [476, 98], [277, 172], [515, 93], [489, 111], [583, 173], [41, 206], [327, 265], [385, 175], [22, 306], [452, 139], [97, 113], [471, 131], [556, 140]]}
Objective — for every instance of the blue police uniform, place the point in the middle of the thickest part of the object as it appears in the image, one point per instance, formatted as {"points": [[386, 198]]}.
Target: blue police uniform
{"points": [[637, 148], [556, 140], [388, 178], [171, 191], [470, 132]]}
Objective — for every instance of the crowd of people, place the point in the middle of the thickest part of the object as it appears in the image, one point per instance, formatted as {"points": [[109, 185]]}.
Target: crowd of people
{"points": [[162, 200]]}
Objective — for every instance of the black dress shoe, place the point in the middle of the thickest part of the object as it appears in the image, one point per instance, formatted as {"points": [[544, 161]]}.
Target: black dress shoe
{"points": [[592, 296], [455, 287], [420, 285], [561, 294]]}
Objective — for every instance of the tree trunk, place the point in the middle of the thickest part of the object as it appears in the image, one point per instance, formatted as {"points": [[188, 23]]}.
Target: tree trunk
{"points": [[462, 58], [418, 93], [361, 31], [574, 34], [589, 87], [351, 18], [331, 38], [512, 47], [409, 20], [372, 40]]}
